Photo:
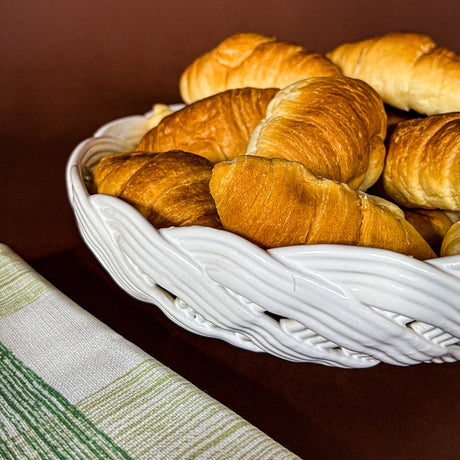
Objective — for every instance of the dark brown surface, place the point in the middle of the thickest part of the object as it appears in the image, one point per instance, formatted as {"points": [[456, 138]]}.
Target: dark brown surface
{"points": [[67, 68]]}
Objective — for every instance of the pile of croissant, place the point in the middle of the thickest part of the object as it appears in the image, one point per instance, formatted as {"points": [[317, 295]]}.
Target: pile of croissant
{"points": [[286, 146]]}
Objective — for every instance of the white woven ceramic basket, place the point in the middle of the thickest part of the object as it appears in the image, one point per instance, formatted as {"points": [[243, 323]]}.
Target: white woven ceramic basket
{"points": [[336, 305]]}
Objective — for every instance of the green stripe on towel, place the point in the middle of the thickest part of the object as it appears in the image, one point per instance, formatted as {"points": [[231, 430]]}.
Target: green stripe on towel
{"points": [[151, 412], [38, 422], [19, 284]]}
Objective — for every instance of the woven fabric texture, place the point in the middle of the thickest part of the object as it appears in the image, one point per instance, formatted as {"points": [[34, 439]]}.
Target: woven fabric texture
{"points": [[70, 387]]}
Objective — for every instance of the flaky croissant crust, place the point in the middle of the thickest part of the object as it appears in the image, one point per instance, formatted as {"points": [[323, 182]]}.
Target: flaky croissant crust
{"points": [[422, 167], [169, 188], [407, 69], [277, 202], [451, 242], [251, 60], [218, 127], [335, 126], [432, 224]]}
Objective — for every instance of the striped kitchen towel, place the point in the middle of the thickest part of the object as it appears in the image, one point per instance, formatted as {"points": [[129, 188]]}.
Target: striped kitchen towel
{"points": [[72, 388]]}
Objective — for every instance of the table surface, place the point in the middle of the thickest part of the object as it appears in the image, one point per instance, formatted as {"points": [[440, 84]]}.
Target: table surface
{"points": [[73, 66]]}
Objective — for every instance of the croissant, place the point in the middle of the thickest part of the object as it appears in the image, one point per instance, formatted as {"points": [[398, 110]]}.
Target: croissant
{"points": [[451, 242], [217, 127], [432, 224], [408, 70], [277, 202], [422, 168], [159, 111], [335, 126], [169, 189], [251, 60]]}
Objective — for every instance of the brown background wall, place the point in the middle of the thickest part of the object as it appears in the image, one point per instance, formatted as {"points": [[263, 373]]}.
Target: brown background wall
{"points": [[70, 66]]}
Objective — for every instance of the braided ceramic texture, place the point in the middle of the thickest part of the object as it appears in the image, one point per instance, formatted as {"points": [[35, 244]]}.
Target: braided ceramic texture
{"points": [[336, 305]]}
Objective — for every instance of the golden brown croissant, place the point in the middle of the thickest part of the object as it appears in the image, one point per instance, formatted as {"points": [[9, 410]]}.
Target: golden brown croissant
{"points": [[432, 224], [217, 127], [422, 168], [276, 202], [169, 189], [335, 126], [251, 60], [407, 69], [451, 242], [159, 111]]}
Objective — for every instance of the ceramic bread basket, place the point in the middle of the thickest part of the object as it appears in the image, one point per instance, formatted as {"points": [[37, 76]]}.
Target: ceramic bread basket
{"points": [[336, 305]]}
